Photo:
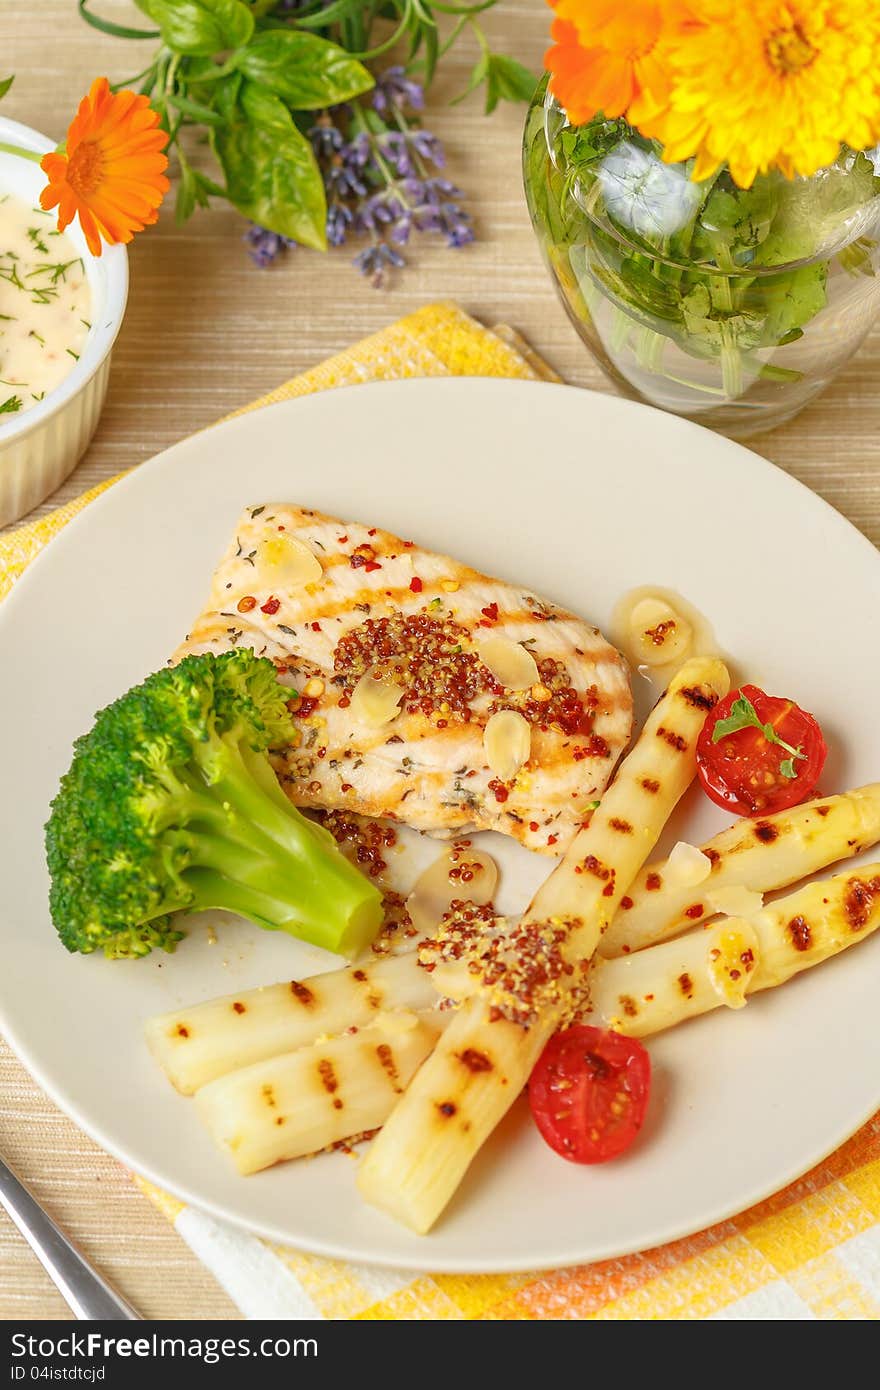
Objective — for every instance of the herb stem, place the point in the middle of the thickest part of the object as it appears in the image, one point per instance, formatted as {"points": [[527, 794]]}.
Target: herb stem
{"points": [[32, 155]]}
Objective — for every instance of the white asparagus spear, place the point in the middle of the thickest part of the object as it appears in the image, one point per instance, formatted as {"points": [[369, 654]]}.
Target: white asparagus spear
{"points": [[639, 995], [483, 1060], [656, 988], [288, 1106], [759, 854], [195, 1045]]}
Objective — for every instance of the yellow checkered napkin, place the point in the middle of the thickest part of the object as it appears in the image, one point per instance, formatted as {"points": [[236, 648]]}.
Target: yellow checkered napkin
{"points": [[813, 1251]]}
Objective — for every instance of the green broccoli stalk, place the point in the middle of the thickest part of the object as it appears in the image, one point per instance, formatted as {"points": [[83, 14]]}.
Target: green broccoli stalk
{"points": [[171, 805]]}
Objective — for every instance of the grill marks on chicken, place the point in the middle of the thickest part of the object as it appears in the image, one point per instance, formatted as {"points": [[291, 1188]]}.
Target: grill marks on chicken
{"points": [[339, 606]]}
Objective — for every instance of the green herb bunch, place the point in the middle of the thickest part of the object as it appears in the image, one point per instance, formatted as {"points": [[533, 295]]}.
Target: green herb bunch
{"points": [[311, 139]]}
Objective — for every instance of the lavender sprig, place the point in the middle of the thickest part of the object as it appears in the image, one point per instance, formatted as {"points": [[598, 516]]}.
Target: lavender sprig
{"points": [[379, 167], [265, 245]]}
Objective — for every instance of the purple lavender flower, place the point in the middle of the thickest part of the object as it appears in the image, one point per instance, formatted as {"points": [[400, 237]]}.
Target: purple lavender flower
{"points": [[339, 219], [377, 261], [456, 226], [342, 179], [394, 147], [265, 245], [436, 191], [394, 89], [400, 231], [327, 139], [380, 182], [358, 151], [376, 211], [428, 147]]}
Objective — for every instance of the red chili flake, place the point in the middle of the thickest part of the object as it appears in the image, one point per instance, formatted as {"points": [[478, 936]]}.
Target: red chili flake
{"points": [[442, 723], [500, 791], [302, 705], [282, 528], [342, 539], [533, 826], [322, 752], [372, 565], [695, 911], [408, 545], [551, 839], [362, 555], [344, 702], [416, 585], [345, 787], [626, 903], [316, 627], [490, 612], [372, 531], [270, 606], [245, 604]]}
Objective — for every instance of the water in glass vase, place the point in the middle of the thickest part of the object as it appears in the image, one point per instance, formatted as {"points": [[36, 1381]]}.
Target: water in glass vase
{"points": [[733, 306]]}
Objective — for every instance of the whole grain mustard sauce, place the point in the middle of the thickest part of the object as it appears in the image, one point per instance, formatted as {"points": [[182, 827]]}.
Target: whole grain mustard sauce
{"points": [[45, 306]]}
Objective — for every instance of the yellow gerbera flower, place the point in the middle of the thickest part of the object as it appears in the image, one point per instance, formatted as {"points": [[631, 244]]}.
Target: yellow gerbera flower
{"points": [[779, 83]]}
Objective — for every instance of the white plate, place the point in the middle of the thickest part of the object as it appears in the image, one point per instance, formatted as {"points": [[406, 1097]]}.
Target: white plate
{"points": [[580, 496]]}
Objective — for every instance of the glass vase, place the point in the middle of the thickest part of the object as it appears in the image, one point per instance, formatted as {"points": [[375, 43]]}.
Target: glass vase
{"points": [[732, 306]]}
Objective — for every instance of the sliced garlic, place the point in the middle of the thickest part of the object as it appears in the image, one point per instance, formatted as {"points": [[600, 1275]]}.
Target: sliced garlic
{"points": [[509, 662], [287, 563], [394, 1022], [507, 742], [466, 874], [455, 981], [731, 956], [735, 901], [375, 699], [687, 865], [660, 634]]}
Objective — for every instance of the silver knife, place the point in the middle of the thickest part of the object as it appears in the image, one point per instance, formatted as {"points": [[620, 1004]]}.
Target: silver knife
{"points": [[90, 1297]]}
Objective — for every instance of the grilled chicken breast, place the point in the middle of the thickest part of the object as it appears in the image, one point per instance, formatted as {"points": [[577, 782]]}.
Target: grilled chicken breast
{"points": [[428, 692]]}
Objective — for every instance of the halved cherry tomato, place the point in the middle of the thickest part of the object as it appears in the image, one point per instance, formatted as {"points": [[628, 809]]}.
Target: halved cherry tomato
{"points": [[589, 1093], [754, 774]]}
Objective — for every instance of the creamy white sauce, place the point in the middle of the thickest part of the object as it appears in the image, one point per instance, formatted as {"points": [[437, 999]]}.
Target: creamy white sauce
{"points": [[45, 306]]}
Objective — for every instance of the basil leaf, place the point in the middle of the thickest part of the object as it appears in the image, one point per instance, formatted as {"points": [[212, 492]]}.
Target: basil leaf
{"points": [[507, 80], [271, 173], [479, 74], [195, 109], [200, 26], [306, 71]]}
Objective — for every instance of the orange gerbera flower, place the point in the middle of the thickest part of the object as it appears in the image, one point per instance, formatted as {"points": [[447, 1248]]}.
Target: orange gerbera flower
{"points": [[111, 174], [605, 58]]}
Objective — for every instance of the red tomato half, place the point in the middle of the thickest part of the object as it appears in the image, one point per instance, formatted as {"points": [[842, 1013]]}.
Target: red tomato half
{"points": [[589, 1093], [751, 774]]}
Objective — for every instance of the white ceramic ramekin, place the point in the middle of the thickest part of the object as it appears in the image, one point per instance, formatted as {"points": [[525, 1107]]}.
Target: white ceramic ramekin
{"points": [[39, 448]]}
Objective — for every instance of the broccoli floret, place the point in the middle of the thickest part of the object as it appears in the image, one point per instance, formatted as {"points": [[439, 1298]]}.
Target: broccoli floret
{"points": [[171, 805]]}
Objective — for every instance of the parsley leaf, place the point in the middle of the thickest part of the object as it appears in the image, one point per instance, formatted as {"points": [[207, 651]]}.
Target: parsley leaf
{"points": [[743, 715]]}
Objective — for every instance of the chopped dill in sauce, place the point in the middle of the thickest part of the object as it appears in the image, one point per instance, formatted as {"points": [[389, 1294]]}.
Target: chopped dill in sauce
{"points": [[45, 303]]}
